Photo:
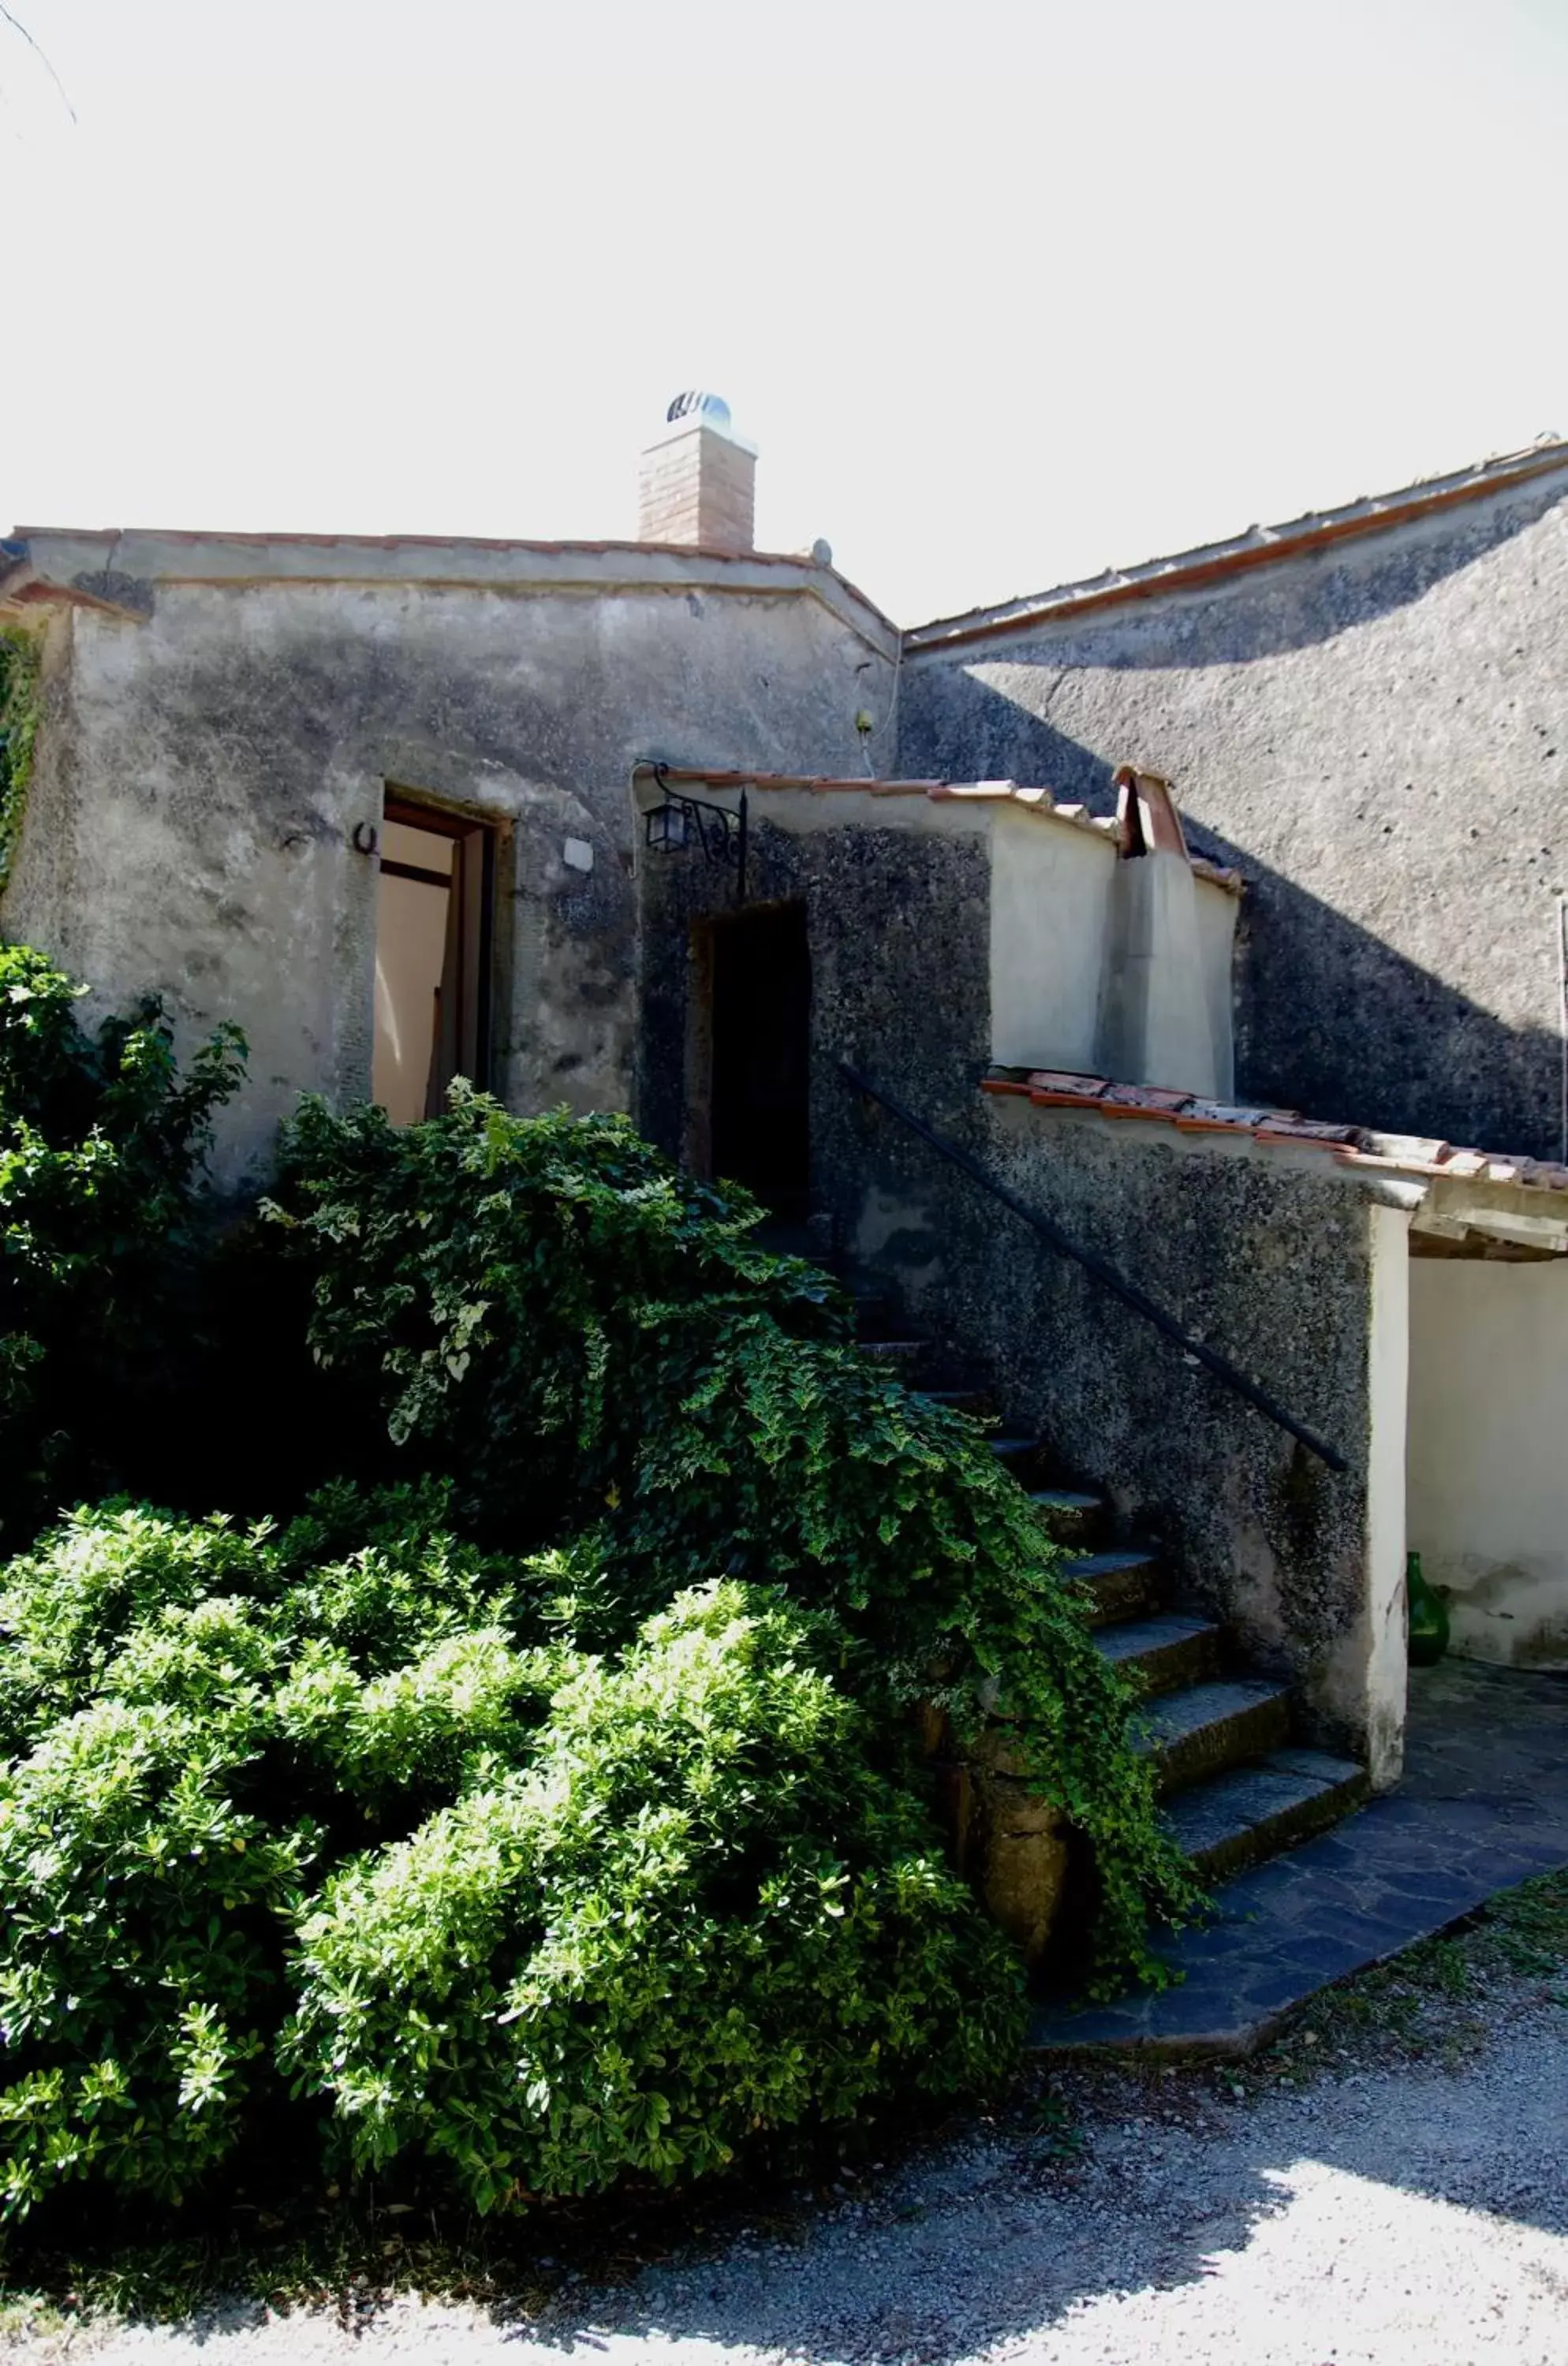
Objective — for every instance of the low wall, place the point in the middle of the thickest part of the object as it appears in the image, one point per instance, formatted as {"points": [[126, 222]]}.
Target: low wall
{"points": [[1295, 1274], [1488, 1469]]}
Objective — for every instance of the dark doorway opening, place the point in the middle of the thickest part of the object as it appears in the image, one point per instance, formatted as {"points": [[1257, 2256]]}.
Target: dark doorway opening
{"points": [[759, 1093], [432, 957]]}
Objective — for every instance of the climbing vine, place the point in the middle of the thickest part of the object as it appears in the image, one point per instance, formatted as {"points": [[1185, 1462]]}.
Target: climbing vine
{"points": [[18, 729]]}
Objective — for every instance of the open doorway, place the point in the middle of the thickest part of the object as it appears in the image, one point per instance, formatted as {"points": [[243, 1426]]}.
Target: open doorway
{"points": [[432, 940], [759, 1018]]}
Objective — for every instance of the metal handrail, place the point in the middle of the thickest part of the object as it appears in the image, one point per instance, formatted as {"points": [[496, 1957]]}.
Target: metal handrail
{"points": [[1106, 1274]]}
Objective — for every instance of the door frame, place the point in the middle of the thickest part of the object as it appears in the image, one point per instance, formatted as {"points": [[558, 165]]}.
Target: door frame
{"points": [[697, 1129], [485, 837]]}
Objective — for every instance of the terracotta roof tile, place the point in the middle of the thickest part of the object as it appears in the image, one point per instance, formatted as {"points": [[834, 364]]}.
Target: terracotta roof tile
{"points": [[1291, 1128], [1146, 1101], [1350, 1145], [1065, 1080], [1202, 1117], [1412, 1149]]}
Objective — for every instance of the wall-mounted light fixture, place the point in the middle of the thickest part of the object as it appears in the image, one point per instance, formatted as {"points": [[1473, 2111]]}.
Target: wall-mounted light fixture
{"points": [[681, 821]]}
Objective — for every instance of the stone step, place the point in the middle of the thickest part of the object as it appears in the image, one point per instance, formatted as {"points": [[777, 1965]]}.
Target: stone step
{"points": [[1128, 1582], [1483, 1805], [1159, 1655], [1070, 1517], [1206, 1728], [1018, 1455], [960, 1398], [894, 1351], [1252, 1812]]}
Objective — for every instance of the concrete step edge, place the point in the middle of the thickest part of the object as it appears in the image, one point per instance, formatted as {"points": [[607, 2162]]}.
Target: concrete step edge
{"points": [[1111, 1562], [1201, 1730], [1263, 1808]]}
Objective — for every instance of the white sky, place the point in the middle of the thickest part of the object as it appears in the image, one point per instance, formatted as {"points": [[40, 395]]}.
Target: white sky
{"points": [[1005, 290]]}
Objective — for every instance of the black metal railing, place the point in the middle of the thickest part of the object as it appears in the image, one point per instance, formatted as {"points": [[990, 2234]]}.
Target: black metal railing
{"points": [[1096, 1266]]}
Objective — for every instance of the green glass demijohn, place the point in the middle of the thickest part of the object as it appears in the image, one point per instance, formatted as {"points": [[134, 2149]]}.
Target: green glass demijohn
{"points": [[1427, 1615]]}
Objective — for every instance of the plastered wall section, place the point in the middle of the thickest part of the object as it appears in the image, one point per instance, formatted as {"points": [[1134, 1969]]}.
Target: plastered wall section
{"points": [[1052, 896], [1106, 966], [1376, 735], [1488, 1453], [1156, 1004], [202, 774]]}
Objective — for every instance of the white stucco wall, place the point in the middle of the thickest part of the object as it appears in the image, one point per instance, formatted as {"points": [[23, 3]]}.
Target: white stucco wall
{"points": [[1382, 1650], [1154, 1000], [1051, 888], [1488, 1452], [1217, 910], [1111, 968]]}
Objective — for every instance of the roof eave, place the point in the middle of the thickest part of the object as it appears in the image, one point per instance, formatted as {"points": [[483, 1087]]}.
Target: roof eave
{"points": [[1260, 547]]}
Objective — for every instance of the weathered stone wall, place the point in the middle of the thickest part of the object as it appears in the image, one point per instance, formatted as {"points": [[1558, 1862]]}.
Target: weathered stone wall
{"points": [[898, 933], [1268, 1255], [1258, 1255], [202, 772], [1377, 736]]}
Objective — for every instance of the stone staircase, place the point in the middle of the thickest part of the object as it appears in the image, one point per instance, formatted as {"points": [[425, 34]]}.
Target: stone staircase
{"points": [[1238, 1782]]}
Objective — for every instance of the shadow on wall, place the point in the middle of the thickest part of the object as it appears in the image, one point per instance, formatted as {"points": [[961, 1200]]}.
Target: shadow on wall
{"points": [[1266, 611], [1332, 1021], [1330, 1018], [954, 727]]}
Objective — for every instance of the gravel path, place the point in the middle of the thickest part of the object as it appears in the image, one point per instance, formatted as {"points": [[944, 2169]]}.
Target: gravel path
{"points": [[1400, 2212]]}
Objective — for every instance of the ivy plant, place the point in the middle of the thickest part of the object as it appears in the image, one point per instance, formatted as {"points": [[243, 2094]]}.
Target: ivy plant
{"points": [[101, 1145], [18, 730], [596, 1352]]}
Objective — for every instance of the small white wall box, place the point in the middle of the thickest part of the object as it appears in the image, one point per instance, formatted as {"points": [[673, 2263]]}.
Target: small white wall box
{"points": [[577, 854]]}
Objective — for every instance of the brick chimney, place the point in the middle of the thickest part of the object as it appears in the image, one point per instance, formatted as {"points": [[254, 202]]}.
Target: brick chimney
{"points": [[697, 483]]}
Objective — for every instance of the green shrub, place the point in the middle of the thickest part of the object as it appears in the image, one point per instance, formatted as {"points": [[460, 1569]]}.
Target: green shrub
{"points": [[592, 1347], [142, 1907], [67, 1607], [19, 729], [375, 1785], [101, 1142], [701, 1911]]}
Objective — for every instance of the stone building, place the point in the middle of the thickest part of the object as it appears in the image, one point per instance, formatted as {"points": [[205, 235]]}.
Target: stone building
{"points": [[1365, 711], [300, 780], [884, 922]]}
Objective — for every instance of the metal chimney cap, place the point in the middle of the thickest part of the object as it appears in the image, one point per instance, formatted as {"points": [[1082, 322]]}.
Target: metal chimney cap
{"points": [[710, 409]]}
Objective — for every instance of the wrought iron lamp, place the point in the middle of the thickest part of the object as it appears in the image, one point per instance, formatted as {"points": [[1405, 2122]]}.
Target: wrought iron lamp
{"points": [[681, 821]]}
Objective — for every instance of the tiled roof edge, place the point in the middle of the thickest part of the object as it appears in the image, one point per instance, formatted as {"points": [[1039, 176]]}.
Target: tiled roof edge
{"points": [[1349, 1146], [1259, 546]]}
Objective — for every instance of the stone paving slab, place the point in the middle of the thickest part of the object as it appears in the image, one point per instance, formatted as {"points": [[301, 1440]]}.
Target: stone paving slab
{"points": [[1483, 1806]]}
